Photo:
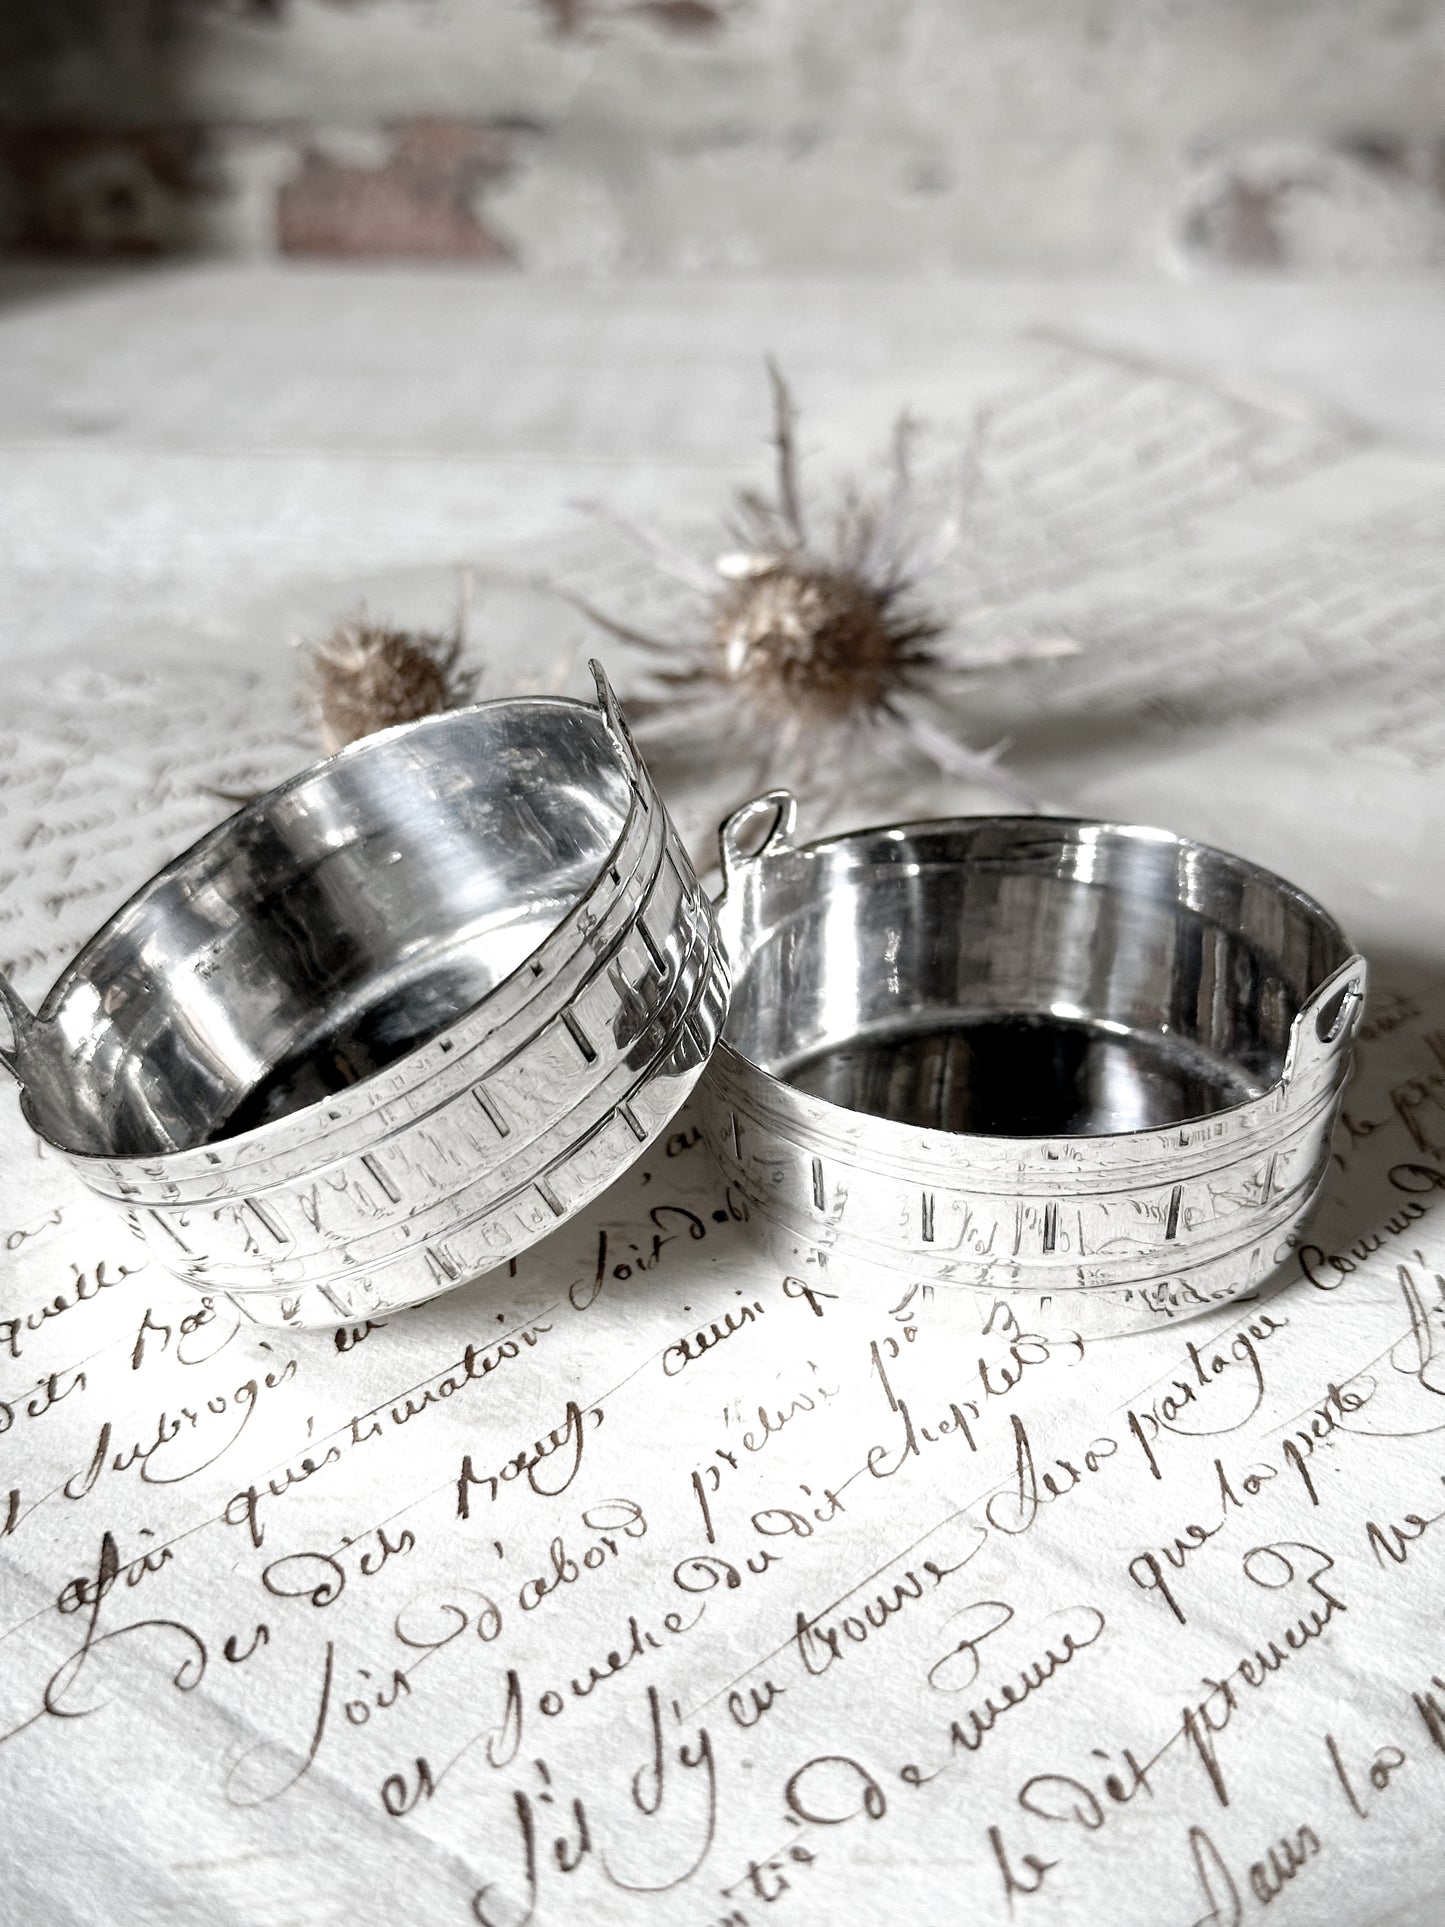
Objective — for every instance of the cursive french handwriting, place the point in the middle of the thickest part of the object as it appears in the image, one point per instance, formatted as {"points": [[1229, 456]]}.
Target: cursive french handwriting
{"points": [[689, 1590]]}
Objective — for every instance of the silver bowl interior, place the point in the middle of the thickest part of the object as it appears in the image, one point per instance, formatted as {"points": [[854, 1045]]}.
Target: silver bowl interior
{"points": [[1022, 977], [330, 927]]}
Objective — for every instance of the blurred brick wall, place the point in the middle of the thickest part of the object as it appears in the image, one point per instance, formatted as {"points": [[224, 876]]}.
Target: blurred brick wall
{"points": [[616, 135]]}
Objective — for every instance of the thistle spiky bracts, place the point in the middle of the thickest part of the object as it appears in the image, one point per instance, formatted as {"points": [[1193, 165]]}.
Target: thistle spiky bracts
{"points": [[825, 646], [367, 675]]}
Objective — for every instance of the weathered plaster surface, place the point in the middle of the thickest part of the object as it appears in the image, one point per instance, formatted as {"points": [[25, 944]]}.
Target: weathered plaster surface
{"points": [[921, 135]]}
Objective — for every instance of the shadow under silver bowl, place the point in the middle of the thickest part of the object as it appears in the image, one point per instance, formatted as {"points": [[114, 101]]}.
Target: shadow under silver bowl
{"points": [[393, 1021], [1087, 1069]]}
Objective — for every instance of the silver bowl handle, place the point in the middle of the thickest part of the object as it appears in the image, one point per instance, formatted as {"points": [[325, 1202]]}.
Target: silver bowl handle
{"points": [[17, 1026], [612, 714], [777, 838], [1325, 1026]]}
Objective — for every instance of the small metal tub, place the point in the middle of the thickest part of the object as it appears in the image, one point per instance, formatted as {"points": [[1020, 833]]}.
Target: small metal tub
{"points": [[1087, 1069], [391, 1022]]}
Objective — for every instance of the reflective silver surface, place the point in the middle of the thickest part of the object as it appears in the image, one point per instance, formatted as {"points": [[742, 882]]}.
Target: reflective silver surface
{"points": [[393, 1021], [1089, 1067]]}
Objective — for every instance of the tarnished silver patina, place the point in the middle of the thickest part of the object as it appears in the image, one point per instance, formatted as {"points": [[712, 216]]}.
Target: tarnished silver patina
{"points": [[1086, 1069], [393, 1021]]}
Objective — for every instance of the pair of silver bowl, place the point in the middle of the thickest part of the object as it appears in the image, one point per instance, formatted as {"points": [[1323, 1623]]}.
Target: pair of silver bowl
{"points": [[396, 1020]]}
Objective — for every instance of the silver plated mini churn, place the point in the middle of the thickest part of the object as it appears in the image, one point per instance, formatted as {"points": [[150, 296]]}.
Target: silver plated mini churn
{"points": [[1084, 1068], [393, 1021]]}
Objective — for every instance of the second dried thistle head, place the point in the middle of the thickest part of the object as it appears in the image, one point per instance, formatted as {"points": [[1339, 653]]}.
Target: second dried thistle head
{"points": [[366, 676]]}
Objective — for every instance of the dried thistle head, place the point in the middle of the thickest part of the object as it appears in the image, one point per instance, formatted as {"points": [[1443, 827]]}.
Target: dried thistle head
{"points": [[366, 676], [828, 638], [824, 644], [813, 641]]}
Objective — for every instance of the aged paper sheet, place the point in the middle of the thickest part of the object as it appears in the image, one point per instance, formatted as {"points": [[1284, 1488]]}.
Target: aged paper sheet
{"points": [[647, 1585]]}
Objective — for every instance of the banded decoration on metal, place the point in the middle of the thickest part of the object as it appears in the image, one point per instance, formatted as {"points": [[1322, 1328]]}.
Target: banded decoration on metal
{"points": [[1088, 1069], [394, 1021]]}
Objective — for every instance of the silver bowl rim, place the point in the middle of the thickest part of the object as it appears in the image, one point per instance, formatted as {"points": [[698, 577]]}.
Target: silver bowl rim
{"points": [[900, 1138], [605, 709]]}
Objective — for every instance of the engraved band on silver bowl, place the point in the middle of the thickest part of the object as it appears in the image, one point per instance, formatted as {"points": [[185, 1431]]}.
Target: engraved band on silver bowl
{"points": [[1095, 1231], [510, 1111]]}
